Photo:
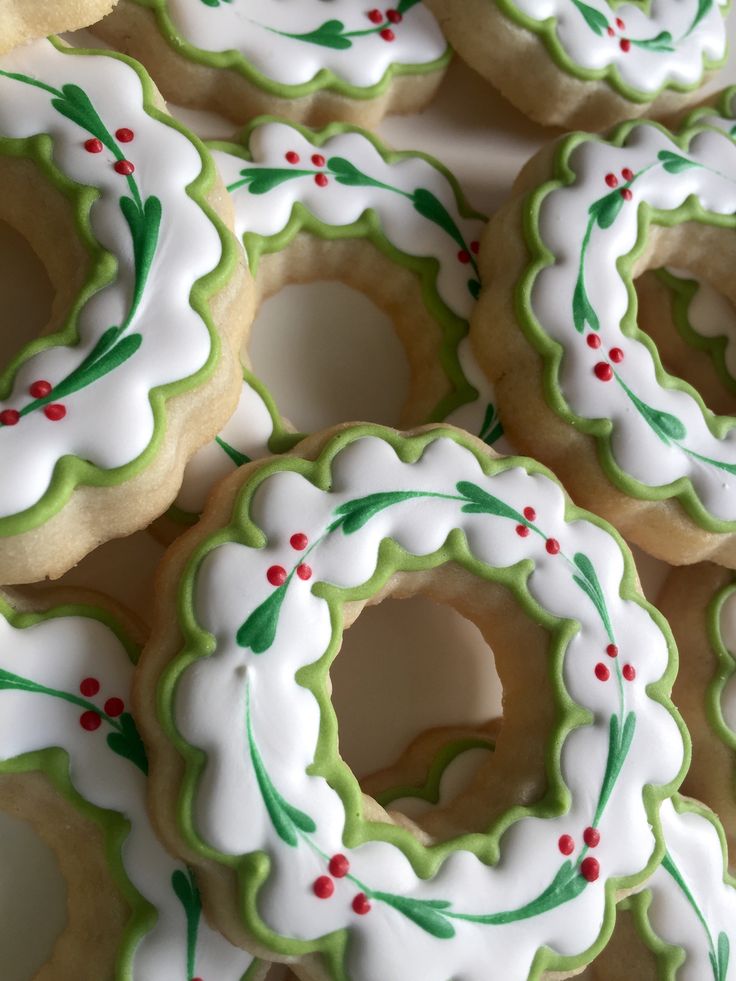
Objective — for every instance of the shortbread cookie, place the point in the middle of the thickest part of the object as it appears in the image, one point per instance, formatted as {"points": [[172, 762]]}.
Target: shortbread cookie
{"points": [[338, 204], [98, 418], [67, 736], [23, 20], [578, 384], [310, 61], [251, 608], [589, 64]]}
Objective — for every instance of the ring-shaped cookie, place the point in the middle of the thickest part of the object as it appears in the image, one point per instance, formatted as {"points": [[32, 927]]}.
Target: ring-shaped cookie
{"points": [[589, 63], [65, 689], [578, 384], [312, 62], [336, 204], [288, 550], [98, 417]]}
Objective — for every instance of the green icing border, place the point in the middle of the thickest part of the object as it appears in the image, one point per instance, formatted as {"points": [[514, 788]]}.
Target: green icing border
{"points": [[430, 790], [546, 29], [71, 471], [726, 667], [551, 351], [252, 869], [235, 61]]}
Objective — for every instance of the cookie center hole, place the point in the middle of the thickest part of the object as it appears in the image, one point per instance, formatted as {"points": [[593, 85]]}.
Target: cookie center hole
{"points": [[32, 900], [26, 291], [329, 355]]}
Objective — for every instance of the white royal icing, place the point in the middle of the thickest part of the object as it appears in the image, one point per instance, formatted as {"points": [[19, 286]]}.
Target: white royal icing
{"points": [[59, 654], [110, 421], [260, 30], [649, 46], [337, 205], [229, 813], [659, 434]]}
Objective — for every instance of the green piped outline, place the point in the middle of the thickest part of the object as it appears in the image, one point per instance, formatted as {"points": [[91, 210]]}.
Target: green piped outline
{"points": [[429, 791], [725, 669], [71, 471], [670, 958], [552, 351], [547, 30], [324, 79], [252, 869]]}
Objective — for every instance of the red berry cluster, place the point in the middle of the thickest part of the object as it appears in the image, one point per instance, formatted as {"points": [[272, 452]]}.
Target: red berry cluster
{"points": [[91, 719], [589, 867], [392, 16], [277, 574], [603, 673], [321, 180], [602, 369], [523, 530], [38, 390], [324, 886], [122, 135], [464, 256], [624, 43], [612, 181]]}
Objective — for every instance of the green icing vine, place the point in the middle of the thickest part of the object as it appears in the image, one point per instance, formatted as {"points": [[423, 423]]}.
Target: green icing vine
{"points": [[185, 887], [663, 42]]}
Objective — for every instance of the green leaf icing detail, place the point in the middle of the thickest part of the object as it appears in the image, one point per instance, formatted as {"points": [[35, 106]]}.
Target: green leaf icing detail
{"points": [[128, 743], [675, 163], [185, 887], [259, 629], [238, 458], [589, 583], [426, 913], [595, 20]]}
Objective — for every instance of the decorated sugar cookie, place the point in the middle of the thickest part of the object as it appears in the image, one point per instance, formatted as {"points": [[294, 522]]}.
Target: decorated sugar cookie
{"points": [[65, 679], [305, 59], [21, 21], [98, 417], [589, 64], [339, 204], [288, 551], [580, 385]]}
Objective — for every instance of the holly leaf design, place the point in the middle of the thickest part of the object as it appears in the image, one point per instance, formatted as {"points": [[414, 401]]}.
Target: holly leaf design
{"points": [[185, 888], [662, 42], [128, 743], [724, 950], [328, 35], [596, 21], [481, 502], [403, 5], [259, 630], [605, 210], [352, 515], [261, 180], [76, 105], [474, 288], [582, 309], [702, 9], [144, 224], [92, 370], [430, 207], [665, 425], [238, 458], [619, 741], [491, 429], [347, 173], [674, 163], [589, 583], [426, 913]]}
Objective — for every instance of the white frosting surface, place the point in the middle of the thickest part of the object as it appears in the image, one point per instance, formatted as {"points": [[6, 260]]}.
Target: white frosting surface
{"points": [[107, 430], [659, 434], [263, 32], [229, 812], [650, 46], [58, 655]]}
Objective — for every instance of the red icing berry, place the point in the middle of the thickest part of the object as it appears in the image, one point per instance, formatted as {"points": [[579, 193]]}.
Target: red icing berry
{"points": [[124, 167], [318, 160], [601, 672], [304, 572], [594, 341], [616, 355], [620, 24], [321, 180], [125, 135], [522, 531], [611, 180], [93, 146], [530, 514], [9, 417], [276, 575], [610, 31], [566, 845], [394, 16], [375, 16], [361, 904], [299, 541], [552, 546], [89, 721], [89, 687], [463, 256], [612, 650], [339, 866], [387, 34], [590, 869], [629, 672], [625, 45], [323, 887], [627, 173], [40, 389], [114, 707], [603, 371], [591, 837], [292, 157], [475, 247], [55, 411], [626, 193]]}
